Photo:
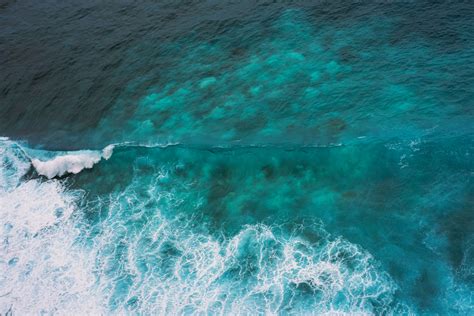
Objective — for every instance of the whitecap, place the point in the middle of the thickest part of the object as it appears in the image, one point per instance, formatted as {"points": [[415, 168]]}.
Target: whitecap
{"points": [[70, 162]]}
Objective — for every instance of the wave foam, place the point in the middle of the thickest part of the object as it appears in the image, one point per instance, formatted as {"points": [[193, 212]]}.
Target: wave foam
{"points": [[42, 271], [71, 162], [167, 267], [14, 164]]}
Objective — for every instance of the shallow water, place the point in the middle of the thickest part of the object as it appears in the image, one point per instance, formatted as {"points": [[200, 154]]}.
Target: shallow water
{"points": [[266, 158]]}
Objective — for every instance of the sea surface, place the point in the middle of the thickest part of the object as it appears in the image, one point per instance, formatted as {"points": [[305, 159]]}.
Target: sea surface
{"points": [[236, 157]]}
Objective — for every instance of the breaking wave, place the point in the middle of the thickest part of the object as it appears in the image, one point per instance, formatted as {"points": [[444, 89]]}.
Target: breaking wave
{"points": [[70, 162]]}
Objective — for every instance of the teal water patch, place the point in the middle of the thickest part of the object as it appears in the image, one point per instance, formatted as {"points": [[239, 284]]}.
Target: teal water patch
{"points": [[299, 81]]}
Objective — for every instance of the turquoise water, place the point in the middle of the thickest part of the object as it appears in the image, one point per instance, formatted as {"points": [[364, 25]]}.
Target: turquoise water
{"points": [[301, 160], [300, 83]]}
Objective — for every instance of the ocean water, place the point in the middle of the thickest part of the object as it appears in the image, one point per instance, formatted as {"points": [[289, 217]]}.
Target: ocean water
{"points": [[205, 157]]}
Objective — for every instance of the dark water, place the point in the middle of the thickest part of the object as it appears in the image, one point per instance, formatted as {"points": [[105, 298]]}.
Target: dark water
{"points": [[270, 158]]}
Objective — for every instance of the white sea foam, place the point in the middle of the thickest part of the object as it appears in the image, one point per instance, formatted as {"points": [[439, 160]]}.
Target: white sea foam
{"points": [[41, 269], [13, 162], [70, 162], [177, 270], [107, 152]]}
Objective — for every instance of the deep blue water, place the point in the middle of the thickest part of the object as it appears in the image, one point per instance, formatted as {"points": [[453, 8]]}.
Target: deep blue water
{"points": [[236, 158]]}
